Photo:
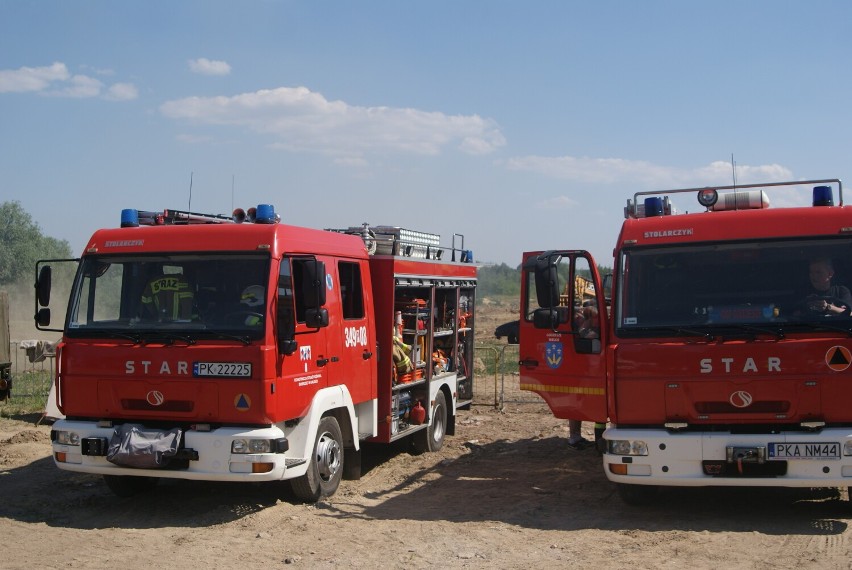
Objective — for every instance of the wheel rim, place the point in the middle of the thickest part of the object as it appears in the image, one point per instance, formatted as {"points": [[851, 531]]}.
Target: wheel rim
{"points": [[328, 456], [438, 424]]}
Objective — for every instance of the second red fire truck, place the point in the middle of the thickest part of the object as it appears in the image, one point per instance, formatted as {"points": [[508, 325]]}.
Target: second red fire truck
{"points": [[195, 347], [722, 356]]}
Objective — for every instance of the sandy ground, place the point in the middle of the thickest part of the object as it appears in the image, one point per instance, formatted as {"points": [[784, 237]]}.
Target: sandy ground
{"points": [[504, 492]]}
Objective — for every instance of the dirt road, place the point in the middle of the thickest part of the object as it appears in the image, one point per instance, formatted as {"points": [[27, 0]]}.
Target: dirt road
{"points": [[505, 492]]}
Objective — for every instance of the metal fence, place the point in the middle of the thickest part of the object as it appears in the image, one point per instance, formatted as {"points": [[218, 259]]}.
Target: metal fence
{"points": [[30, 380], [496, 368]]}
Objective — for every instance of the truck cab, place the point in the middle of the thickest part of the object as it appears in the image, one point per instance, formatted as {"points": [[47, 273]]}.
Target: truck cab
{"points": [[724, 355], [208, 347]]}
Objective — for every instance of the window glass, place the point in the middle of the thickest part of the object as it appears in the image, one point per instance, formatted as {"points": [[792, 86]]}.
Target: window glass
{"points": [[351, 292], [734, 285]]}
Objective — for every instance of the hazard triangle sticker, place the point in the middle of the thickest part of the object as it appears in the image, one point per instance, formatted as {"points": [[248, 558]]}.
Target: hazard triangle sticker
{"points": [[838, 358]]}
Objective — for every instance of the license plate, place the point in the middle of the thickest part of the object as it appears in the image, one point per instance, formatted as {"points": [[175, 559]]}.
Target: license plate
{"points": [[786, 451], [222, 369]]}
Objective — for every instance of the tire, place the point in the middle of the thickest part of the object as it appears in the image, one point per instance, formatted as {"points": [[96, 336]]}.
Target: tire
{"points": [[432, 438], [325, 469], [129, 486], [638, 495]]}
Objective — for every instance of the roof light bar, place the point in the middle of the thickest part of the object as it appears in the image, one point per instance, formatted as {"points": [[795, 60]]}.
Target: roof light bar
{"points": [[131, 218]]}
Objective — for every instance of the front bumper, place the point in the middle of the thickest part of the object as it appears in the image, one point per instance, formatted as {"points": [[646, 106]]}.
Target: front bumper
{"points": [[205, 455], [727, 459]]}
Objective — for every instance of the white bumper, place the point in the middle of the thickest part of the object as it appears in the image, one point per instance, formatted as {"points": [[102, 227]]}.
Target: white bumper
{"points": [[215, 461], [726, 459]]}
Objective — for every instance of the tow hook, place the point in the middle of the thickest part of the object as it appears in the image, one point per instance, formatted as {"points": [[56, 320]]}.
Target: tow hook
{"points": [[743, 455]]}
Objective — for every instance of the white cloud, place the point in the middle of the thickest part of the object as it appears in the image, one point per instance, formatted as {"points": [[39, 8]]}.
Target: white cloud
{"points": [[204, 66], [306, 121], [55, 81], [78, 87], [27, 79], [643, 173], [122, 92], [558, 203]]}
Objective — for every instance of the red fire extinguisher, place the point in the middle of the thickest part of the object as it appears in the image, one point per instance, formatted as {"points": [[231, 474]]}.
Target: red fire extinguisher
{"points": [[418, 414]]}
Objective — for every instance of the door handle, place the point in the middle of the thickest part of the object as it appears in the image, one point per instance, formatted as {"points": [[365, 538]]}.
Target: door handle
{"points": [[366, 355], [528, 362], [322, 361]]}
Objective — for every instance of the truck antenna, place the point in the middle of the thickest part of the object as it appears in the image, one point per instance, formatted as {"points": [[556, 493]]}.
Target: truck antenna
{"points": [[189, 206], [734, 169]]}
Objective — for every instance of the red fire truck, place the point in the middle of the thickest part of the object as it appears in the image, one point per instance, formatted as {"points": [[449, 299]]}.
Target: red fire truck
{"points": [[723, 357], [210, 348]]}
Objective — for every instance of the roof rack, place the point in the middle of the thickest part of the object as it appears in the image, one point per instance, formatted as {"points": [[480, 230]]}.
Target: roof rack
{"points": [[394, 240]]}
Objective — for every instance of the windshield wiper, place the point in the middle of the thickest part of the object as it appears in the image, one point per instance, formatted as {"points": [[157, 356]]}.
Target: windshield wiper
{"points": [[683, 331], [173, 336], [219, 334], [825, 326], [137, 339], [777, 333]]}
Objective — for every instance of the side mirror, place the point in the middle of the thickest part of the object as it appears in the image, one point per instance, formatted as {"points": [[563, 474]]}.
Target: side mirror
{"points": [[549, 318], [287, 346], [42, 317], [43, 284], [313, 283], [316, 318], [546, 281]]}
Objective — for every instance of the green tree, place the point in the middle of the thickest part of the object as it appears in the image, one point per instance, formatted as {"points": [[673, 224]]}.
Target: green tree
{"points": [[22, 243]]}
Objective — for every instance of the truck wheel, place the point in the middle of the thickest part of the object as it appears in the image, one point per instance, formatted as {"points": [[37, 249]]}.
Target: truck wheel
{"points": [[326, 467], [638, 495], [128, 486], [432, 438]]}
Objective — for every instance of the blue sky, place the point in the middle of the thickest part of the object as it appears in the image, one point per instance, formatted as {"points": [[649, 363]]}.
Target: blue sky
{"points": [[521, 125]]}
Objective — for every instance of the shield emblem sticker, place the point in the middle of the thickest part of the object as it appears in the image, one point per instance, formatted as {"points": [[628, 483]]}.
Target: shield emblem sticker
{"points": [[553, 354]]}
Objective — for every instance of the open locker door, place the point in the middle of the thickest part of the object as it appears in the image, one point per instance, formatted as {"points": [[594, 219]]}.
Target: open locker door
{"points": [[562, 332]]}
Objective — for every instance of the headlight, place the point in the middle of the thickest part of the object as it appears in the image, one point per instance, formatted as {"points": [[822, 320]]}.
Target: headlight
{"points": [[251, 446], [627, 447], [847, 447], [67, 438]]}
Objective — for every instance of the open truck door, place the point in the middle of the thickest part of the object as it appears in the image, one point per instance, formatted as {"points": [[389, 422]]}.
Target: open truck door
{"points": [[562, 333]]}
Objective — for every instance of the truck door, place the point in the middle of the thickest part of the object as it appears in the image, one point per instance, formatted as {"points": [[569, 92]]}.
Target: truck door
{"points": [[351, 332], [562, 333], [302, 333]]}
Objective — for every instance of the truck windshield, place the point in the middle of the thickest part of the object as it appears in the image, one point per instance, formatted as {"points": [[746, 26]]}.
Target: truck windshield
{"points": [[771, 286], [158, 294]]}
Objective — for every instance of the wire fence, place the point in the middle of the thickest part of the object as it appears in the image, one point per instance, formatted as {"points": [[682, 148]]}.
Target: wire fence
{"points": [[30, 381], [497, 383]]}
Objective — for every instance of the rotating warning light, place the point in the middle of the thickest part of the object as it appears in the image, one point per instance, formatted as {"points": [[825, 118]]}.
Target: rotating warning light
{"points": [[823, 196], [708, 197], [129, 218], [653, 207], [265, 214]]}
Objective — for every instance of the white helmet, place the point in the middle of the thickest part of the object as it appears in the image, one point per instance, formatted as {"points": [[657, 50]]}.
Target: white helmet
{"points": [[252, 296]]}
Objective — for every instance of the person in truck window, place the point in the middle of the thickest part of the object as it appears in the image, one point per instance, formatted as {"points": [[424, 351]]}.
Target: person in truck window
{"points": [[823, 297], [168, 297], [251, 301]]}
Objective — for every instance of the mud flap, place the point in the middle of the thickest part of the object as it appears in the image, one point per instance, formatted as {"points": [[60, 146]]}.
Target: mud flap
{"points": [[132, 445]]}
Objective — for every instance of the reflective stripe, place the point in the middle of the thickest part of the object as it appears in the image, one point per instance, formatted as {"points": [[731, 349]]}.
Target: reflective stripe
{"points": [[564, 389]]}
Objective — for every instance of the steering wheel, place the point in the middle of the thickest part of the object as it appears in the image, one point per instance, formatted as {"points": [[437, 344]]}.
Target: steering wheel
{"points": [[814, 304]]}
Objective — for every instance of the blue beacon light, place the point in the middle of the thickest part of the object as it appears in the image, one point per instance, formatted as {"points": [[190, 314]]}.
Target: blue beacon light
{"points": [[653, 207], [823, 196], [265, 214], [129, 218]]}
